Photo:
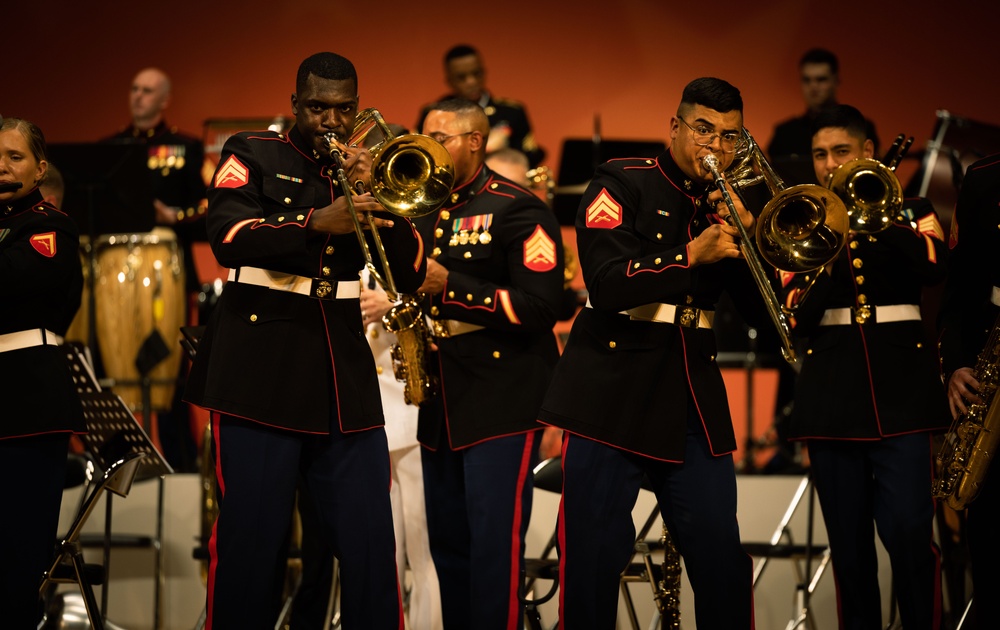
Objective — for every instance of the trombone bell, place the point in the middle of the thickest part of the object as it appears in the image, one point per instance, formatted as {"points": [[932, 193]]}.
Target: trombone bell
{"points": [[871, 191]]}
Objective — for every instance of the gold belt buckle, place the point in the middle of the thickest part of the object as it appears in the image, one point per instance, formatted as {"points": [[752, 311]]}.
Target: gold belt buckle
{"points": [[687, 316]]}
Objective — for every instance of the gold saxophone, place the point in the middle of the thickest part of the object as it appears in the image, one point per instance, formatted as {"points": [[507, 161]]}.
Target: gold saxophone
{"points": [[411, 176], [410, 354], [667, 589], [973, 438]]}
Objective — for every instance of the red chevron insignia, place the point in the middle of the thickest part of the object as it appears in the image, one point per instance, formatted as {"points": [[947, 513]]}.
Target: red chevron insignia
{"points": [[45, 244], [232, 174], [539, 251], [604, 212]]}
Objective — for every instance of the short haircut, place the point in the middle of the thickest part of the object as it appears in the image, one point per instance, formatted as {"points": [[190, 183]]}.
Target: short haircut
{"points": [[510, 156], [820, 55], [842, 116], [466, 110], [325, 65], [712, 93], [53, 180], [32, 134], [461, 50]]}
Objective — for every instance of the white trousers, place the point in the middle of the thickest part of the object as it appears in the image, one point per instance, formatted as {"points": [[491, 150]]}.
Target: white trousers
{"points": [[412, 548]]}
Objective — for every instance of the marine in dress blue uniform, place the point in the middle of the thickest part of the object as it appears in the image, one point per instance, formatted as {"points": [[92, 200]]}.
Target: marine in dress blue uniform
{"points": [[509, 124], [174, 161], [41, 282], [869, 394], [285, 367], [969, 310], [492, 319], [637, 389]]}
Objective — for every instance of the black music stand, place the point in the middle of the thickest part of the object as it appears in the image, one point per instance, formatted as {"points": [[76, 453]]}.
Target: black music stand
{"points": [[119, 446], [108, 189]]}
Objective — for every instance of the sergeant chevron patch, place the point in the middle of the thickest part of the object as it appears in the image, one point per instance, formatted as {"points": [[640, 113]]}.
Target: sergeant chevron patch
{"points": [[44, 244], [232, 174], [604, 212], [539, 251]]}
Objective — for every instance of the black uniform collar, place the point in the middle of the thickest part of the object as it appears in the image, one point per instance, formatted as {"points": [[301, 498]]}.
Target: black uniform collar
{"points": [[465, 192], [132, 132], [17, 206], [299, 142], [688, 186]]}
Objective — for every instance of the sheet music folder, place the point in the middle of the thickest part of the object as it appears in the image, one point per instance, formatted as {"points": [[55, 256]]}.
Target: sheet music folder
{"points": [[108, 187], [112, 430]]}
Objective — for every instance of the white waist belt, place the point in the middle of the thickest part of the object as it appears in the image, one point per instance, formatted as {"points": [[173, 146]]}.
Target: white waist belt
{"points": [[686, 316], [451, 327], [995, 296], [28, 339], [870, 314], [310, 287]]}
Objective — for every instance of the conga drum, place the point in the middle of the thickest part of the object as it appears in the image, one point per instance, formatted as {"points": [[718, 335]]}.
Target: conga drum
{"points": [[78, 328], [138, 289]]}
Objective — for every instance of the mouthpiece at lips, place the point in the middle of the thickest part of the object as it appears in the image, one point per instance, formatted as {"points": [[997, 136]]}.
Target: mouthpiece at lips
{"points": [[710, 161], [10, 186]]}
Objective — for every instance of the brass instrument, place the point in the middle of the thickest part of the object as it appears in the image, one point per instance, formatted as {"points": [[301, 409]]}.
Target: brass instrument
{"points": [[667, 590], [801, 229], [412, 175], [870, 189], [973, 438]]}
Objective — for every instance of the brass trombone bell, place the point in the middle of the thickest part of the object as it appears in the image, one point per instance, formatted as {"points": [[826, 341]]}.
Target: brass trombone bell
{"points": [[412, 175], [871, 191]]}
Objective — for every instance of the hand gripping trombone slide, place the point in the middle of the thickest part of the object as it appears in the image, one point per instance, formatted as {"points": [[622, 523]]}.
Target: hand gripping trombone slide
{"points": [[756, 268]]}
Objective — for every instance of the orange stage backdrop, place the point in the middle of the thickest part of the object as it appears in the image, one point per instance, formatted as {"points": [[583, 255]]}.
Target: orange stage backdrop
{"points": [[71, 65]]}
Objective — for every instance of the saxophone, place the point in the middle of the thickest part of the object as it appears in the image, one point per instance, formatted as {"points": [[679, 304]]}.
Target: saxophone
{"points": [[411, 351], [974, 436], [667, 588]]}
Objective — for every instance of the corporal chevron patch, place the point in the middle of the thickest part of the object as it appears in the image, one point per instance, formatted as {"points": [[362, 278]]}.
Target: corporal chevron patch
{"points": [[232, 174], [539, 251], [604, 211], [44, 244]]}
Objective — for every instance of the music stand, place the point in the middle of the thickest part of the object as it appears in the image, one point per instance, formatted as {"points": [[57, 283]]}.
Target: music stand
{"points": [[108, 188], [119, 446]]}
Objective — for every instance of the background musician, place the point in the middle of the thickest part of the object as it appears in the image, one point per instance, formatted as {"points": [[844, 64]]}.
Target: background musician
{"points": [[869, 394], [41, 282], [465, 74], [637, 389], [791, 145], [969, 310], [174, 161], [285, 368], [494, 280]]}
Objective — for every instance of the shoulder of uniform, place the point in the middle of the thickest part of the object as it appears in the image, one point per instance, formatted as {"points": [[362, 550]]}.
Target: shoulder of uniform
{"points": [[630, 163], [989, 164], [502, 186], [183, 138], [507, 102]]}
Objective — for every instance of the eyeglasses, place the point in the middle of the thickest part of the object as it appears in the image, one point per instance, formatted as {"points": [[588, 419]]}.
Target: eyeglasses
{"points": [[704, 136], [440, 137]]}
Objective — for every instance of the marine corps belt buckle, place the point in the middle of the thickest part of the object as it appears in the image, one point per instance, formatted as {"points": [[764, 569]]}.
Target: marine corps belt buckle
{"points": [[688, 317], [323, 289], [862, 314]]}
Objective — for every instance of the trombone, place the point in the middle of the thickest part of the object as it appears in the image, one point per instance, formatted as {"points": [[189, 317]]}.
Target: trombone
{"points": [[411, 176], [801, 229], [870, 189]]}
